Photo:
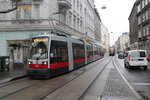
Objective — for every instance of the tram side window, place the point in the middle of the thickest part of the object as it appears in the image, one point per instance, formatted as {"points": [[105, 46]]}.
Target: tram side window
{"points": [[96, 51], [89, 51], [78, 51], [58, 52]]}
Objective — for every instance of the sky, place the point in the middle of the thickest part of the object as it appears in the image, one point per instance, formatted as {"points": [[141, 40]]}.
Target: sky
{"points": [[115, 16]]}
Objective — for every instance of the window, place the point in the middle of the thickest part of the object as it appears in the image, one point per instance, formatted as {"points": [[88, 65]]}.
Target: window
{"points": [[139, 33], [144, 31], [147, 29], [78, 51], [139, 20], [95, 50], [89, 50], [74, 22], [81, 24], [58, 52], [78, 24], [137, 54], [27, 11], [146, 2], [80, 9], [36, 11], [143, 4], [70, 18], [139, 7], [147, 14], [23, 12], [74, 4], [143, 17], [39, 48], [18, 12]]}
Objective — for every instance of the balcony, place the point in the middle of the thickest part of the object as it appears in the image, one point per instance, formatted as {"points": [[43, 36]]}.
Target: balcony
{"points": [[64, 4]]}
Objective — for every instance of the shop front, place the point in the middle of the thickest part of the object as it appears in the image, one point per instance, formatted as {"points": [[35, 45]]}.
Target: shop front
{"points": [[18, 52]]}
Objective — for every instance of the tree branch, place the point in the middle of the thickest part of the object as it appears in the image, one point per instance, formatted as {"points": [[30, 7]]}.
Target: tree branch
{"points": [[9, 10]]}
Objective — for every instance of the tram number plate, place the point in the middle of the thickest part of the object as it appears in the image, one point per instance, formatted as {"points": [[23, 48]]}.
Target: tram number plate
{"points": [[36, 65]]}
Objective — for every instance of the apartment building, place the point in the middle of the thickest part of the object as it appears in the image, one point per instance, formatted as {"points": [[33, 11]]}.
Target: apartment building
{"points": [[105, 37], [75, 17], [133, 24], [143, 24], [123, 42], [97, 25]]}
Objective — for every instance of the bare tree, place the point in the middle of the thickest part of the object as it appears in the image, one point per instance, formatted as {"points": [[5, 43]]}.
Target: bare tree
{"points": [[12, 9]]}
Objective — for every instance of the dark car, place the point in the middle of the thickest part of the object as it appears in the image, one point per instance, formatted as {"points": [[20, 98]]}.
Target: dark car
{"points": [[121, 55]]}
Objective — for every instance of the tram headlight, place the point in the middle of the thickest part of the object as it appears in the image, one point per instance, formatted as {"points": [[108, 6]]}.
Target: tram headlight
{"points": [[45, 63], [29, 63]]}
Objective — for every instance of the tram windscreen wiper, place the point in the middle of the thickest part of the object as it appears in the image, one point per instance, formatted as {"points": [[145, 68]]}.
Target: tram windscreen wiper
{"points": [[41, 55]]}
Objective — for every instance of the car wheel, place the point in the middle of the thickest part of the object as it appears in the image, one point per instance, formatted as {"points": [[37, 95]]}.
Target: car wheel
{"points": [[129, 66], [145, 67], [125, 64]]}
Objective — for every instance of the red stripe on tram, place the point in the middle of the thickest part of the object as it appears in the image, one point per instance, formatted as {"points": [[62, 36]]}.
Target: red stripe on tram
{"points": [[78, 60], [37, 66], [59, 65]]}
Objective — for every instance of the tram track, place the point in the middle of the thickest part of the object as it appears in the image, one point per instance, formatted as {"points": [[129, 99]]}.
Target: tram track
{"points": [[69, 81], [82, 96], [40, 82], [54, 93]]}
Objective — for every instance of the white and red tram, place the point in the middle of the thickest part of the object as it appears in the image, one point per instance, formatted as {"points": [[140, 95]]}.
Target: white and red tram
{"points": [[52, 55]]}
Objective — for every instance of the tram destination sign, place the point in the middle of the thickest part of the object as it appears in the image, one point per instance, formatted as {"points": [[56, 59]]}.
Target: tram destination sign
{"points": [[40, 39]]}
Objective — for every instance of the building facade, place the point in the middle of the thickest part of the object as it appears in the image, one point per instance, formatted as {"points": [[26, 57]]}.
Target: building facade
{"points": [[143, 24], [105, 41], [97, 26], [133, 24], [75, 17], [123, 42]]}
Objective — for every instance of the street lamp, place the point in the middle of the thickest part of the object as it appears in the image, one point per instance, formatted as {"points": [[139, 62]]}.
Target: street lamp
{"points": [[104, 7]]}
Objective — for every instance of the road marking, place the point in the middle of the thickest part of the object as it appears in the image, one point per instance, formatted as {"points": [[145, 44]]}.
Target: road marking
{"points": [[146, 84]]}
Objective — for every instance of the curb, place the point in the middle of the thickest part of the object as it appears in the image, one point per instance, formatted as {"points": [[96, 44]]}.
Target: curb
{"points": [[136, 94], [12, 79]]}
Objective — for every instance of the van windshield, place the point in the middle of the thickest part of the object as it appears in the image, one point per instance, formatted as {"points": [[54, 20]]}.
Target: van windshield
{"points": [[137, 54]]}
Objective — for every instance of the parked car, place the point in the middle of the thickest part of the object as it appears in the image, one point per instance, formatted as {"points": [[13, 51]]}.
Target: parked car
{"points": [[121, 55], [136, 58]]}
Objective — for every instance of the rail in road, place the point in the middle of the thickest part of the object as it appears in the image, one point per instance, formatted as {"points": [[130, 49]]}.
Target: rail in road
{"points": [[91, 82], [37, 89]]}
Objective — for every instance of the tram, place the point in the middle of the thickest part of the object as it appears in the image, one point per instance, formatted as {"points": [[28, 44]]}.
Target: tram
{"points": [[111, 51], [55, 54]]}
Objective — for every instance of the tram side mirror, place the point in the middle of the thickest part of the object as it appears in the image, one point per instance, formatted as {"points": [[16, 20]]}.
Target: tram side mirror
{"points": [[51, 55]]}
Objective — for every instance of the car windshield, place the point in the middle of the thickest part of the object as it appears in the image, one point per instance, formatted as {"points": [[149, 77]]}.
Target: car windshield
{"points": [[137, 54]]}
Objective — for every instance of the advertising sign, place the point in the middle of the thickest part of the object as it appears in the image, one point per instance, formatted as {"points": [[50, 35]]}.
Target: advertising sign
{"points": [[18, 55]]}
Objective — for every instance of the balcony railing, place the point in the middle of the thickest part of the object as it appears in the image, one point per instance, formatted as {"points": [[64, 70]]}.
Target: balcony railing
{"points": [[65, 4]]}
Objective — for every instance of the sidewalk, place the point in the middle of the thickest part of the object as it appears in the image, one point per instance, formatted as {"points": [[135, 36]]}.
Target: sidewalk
{"points": [[14, 72]]}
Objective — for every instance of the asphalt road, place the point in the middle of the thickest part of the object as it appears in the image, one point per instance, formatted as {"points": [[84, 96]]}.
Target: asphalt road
{"points": [[137, 77]]}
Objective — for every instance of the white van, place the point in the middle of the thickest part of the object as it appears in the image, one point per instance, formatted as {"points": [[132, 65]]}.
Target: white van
{"points": [[136, 58]]}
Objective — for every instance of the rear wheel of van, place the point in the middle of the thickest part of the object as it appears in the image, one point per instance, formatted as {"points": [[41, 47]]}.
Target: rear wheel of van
{"points": [[145, 67], [129, 66], [125, 64]]}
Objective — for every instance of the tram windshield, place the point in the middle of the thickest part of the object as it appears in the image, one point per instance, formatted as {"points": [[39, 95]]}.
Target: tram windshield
{"points": [[39, 48]]}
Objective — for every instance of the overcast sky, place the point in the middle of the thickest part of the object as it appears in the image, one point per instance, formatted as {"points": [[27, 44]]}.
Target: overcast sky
{"points": [[115, 16]]}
